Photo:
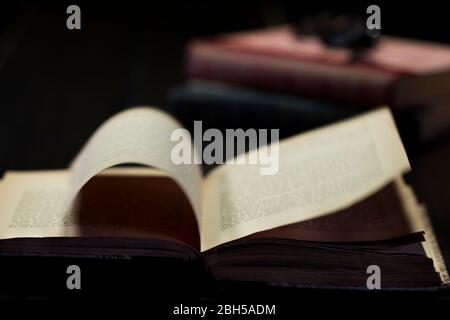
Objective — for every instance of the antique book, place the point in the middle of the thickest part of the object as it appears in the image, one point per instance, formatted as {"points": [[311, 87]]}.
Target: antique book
{"points": [[398, 72], [336, 205]]}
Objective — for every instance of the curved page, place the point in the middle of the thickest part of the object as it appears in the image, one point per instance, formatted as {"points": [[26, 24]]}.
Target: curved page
{"points": [[320, 172], [140, 135]]}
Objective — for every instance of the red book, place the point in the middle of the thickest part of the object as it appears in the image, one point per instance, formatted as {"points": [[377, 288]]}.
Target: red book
{"points": [[398, 72]]}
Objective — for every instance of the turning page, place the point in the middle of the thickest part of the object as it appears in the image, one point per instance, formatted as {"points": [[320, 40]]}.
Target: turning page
{"points": [[40, 204], [320, 172], [141, 136]]}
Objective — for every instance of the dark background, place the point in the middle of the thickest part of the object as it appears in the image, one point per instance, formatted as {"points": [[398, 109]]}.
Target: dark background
{"points": [[58, 85]]}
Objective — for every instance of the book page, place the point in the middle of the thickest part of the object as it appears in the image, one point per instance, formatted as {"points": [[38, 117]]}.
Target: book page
{"points": [[320, 172], [419, 220], [381, 216], [141, 136], [35, 205], [128, 202]]}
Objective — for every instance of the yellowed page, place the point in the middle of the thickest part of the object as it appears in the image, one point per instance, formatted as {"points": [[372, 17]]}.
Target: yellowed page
{"points": [[420, 221], [140, 135], [320, 172], [33, 203]]}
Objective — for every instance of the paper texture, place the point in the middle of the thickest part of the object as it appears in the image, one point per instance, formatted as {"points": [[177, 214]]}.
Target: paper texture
{"points": [[136, 136], [420, 221], [141, 136], [320, 172], [36, 205]]}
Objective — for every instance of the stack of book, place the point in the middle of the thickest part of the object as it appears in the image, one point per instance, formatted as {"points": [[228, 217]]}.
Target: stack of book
{"points": [[276, 78]]}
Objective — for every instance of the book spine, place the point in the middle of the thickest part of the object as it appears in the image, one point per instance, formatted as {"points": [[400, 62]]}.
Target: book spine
{"points": [[341, 84]]}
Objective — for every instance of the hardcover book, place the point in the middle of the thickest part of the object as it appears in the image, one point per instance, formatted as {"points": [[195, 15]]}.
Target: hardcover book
{"points": [[398, 72]]}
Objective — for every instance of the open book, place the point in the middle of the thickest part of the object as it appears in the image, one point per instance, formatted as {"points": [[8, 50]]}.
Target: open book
{"points": [[337, 205]]}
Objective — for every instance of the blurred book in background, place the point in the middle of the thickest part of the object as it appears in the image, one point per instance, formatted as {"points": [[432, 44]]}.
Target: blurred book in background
{"points": [[231, 106], [276, 78], [397, 72]]}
